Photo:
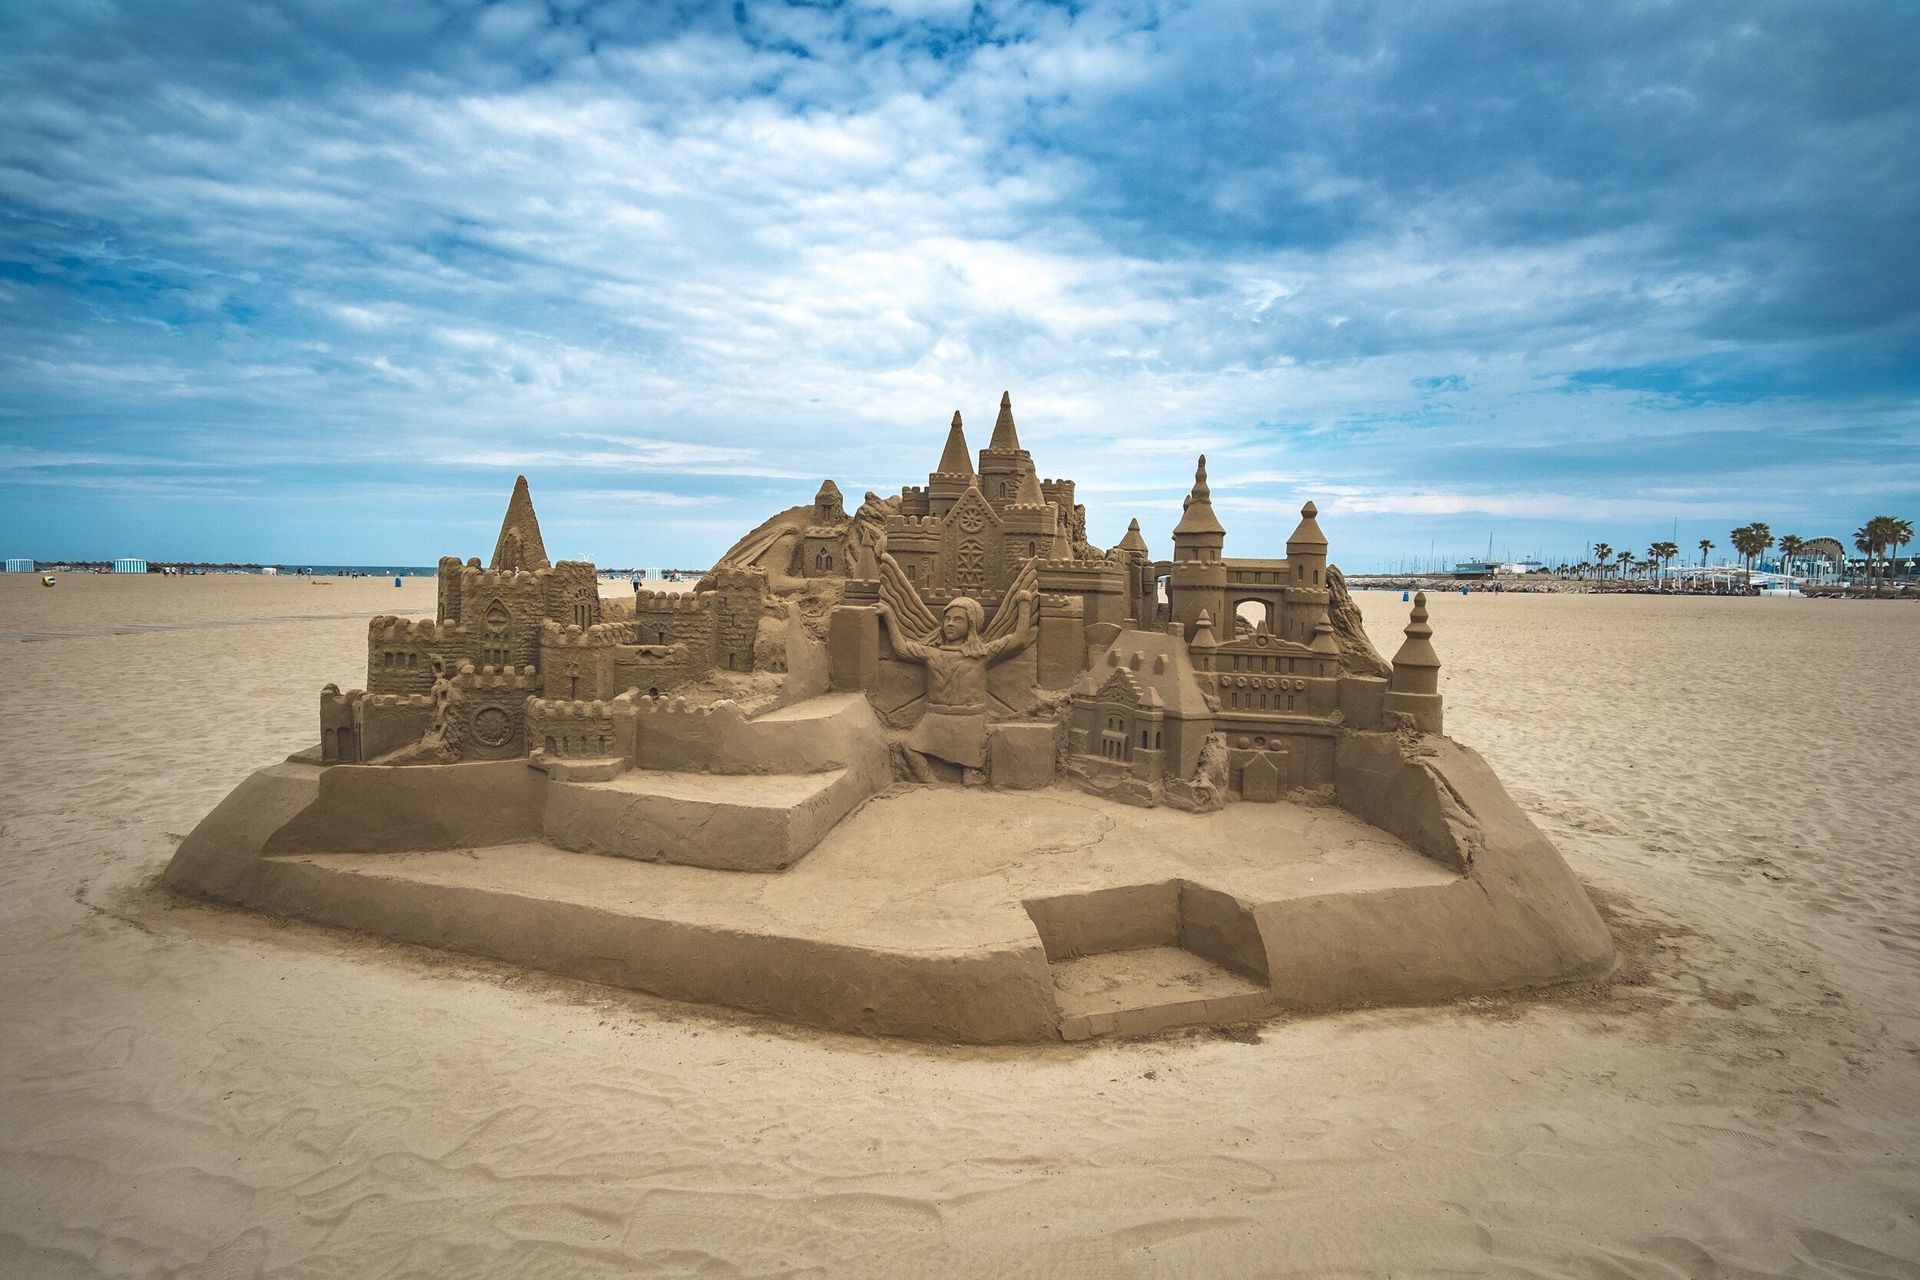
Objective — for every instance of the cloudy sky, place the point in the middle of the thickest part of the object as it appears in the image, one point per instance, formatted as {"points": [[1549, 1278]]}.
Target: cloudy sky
{"points": [[312, 282]]}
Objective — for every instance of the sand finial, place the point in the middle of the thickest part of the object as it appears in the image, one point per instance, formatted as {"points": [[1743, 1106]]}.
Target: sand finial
{"points": [[1203, 637], [1417, 651]]}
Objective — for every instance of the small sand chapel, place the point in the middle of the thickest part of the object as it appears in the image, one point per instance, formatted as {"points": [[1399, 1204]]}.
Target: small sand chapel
{"points": [[937, 767]]}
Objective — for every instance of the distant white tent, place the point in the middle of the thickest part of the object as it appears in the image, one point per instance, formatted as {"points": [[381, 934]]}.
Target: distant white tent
{"points": [[128, 564], [20, 566]]}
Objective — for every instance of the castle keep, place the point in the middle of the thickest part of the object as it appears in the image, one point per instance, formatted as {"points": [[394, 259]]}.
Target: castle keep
{"points": [[519, 648]]}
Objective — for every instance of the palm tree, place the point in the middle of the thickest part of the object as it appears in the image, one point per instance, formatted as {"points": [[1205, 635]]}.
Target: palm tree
{"points": [[1664, 552], [1706, 549], [1601, 554], [1866, 540], [1626, 561], [1791, 545], [1752, 541], [1878, 538]]}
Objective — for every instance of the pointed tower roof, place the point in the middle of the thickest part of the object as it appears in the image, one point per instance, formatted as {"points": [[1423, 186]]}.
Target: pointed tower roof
{"points": [[1203, 632], [1029, 494], [1133, 541], [1307, 537], [519, 545], [829, 492], [1005, 438], [1199, 517], [1417, 650], [954, 459], [1062, 543]]}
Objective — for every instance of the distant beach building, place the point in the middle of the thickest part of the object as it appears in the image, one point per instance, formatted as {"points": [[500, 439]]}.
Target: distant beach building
{"points": [[128, 564], [20, 566], [1492, 568]]}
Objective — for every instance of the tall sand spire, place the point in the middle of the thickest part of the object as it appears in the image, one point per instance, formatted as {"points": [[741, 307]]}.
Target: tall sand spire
{"points": [[1199, 517], [1005, 438], [954, 459], [519, 545]]}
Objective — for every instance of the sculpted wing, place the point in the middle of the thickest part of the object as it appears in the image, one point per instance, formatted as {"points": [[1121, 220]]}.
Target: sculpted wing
{"points": [[910, 612], [1007, 616]]}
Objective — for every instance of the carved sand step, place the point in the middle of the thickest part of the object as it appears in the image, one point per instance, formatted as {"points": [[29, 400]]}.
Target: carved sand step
{"points": [[729, 822], [1150, 989]]}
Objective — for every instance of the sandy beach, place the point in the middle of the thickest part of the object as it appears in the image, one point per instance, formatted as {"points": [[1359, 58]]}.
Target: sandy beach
{"points": [[192, 1091]]}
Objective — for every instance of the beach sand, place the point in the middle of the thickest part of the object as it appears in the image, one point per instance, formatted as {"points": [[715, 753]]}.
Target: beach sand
{"points": [[201, 1092]]}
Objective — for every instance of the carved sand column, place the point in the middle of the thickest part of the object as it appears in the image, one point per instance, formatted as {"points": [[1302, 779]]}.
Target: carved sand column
{"points": [[1415, 690]]}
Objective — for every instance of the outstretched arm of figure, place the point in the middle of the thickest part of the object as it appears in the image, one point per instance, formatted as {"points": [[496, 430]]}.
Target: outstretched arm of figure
{"points": [[1022, 634], [909, 650]]}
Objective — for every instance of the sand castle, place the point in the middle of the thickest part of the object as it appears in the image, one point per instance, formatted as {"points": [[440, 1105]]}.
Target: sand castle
{"points": [[937, 767]]}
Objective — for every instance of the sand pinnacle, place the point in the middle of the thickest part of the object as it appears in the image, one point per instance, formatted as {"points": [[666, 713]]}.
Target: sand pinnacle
{"points": [[519, 545], [954, 459], [1005, 438]]}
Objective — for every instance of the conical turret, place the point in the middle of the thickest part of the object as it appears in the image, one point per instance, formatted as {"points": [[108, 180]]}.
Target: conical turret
{"points": [[1306, 535], [1005, 438], [828, 505], [1134, 541], [1004, 465], [519, 545], [1203, 637], [1198, 525], [954, 459], [1416, 668], [1029, 494]]}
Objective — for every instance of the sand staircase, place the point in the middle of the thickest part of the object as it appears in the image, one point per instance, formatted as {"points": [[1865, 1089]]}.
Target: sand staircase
{"points": [[773, 786], [1146, 958]]}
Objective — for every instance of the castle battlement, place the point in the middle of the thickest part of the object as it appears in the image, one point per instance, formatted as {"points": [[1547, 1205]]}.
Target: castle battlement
{"points": [[398, 701], [473, 577], [725, 708], [574, 636], [731, 577], [569, 708], [494, 678], [395, 630], [674, 601]]}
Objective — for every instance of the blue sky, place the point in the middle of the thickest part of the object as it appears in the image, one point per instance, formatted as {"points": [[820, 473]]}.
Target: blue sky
{"points": [[315, 281]]}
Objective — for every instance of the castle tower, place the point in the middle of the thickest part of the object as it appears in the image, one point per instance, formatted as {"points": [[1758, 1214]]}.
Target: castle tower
{"points": [[1199, 535], [829, 508], [1031, 521], [1142, 599], [1003, 463], [1306, 594], [1203, 645], [1307, 550], [946, 484], [1415, 687], [1199, 580], [519, 545]]}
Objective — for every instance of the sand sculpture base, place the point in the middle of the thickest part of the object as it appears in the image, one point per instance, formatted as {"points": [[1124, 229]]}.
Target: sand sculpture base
{"points": [[962, 914]]}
